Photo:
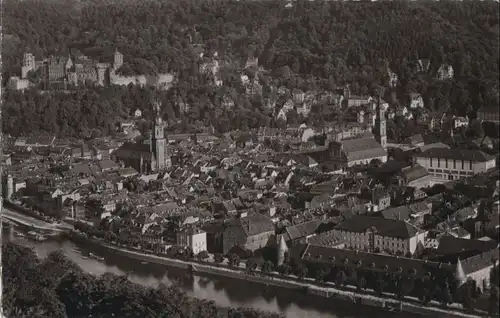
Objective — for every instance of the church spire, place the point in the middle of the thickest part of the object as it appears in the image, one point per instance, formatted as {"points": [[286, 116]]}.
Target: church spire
{"points": [[156, 105], [459, 273], [282, 249]]}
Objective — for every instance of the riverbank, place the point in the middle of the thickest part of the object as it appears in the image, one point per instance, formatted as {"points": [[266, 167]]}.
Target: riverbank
{"points": [[275, 279], [28, 218]]}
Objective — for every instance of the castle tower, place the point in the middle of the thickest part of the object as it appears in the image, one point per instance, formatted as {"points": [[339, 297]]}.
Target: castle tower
{"points": [[101, 75], [158, 142], [29, 60], [117, 60], [380, 126], [459, 273], [282, 249], [28, 64]]}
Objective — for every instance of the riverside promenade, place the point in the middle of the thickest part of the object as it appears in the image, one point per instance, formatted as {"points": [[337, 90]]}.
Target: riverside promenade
{"points": [[19, 218], [282, 281]]}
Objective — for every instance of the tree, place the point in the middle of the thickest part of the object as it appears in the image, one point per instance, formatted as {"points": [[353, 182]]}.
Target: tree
{"points": [[302, 272], [341, 278], [360, 282], [188, 253], [320, 275], [251, 265], [493, 301], [234, 260], [380, 283], [467, 295], [218, 258], [400, 287], [284, 269], [203, 255], [76, 293], [267, 267], [56, 266], [426, 289], [494, 276], [446, 297]]}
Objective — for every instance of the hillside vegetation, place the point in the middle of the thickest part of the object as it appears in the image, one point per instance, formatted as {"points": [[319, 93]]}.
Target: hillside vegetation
{"points": [[311, 45]]}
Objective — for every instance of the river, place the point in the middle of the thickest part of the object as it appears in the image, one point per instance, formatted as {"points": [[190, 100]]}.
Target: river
{"points": [[225, 292]]}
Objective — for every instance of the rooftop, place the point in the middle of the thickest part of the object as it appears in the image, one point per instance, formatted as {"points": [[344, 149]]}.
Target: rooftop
{"points": [[383, 227], [434, 145], [380, 262], [254, 224], [415, 172], [303, 229], [456, 154], [362, 148]]}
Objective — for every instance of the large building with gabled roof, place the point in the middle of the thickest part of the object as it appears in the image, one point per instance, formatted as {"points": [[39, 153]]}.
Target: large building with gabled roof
{"points": [[251, 232], [351, 152], [453, 164], [378, 234], [471, 264]]}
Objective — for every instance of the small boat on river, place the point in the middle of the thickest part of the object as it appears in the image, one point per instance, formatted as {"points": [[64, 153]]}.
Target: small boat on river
{"points": [[99, 258], [36, 236]]}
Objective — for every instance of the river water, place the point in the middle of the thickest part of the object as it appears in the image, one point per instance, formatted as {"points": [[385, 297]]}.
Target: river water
{"points": [[225, 292]]}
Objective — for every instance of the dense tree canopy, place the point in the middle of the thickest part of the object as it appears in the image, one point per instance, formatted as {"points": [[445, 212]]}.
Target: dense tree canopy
{"points": [[56, 287], [311, 45], [75, 114]]}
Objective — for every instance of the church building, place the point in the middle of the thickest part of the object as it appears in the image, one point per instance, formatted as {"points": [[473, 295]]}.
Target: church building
{"points": [[361, 150], [147, 157]]}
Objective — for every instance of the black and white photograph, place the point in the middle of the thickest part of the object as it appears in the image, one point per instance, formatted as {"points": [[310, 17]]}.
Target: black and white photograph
{"points": [[249, 158]]}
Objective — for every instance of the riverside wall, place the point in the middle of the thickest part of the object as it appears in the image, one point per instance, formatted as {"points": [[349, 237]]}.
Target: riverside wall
{"points": [[274, 279], [14, 206]]}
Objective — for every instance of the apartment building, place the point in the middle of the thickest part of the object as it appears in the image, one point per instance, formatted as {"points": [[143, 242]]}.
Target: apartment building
{"points": [[453, 164]]}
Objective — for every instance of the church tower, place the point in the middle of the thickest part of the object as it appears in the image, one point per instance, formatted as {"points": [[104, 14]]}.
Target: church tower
{"points": [[160, 159], [380, 125]]}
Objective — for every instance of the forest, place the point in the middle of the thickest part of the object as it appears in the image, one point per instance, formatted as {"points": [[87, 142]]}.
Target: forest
{"points": [[55, 287], [313, 45]]}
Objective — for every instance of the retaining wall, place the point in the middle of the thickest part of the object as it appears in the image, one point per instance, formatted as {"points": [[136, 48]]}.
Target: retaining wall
{"points": [[274, 279], [17, 207]]}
